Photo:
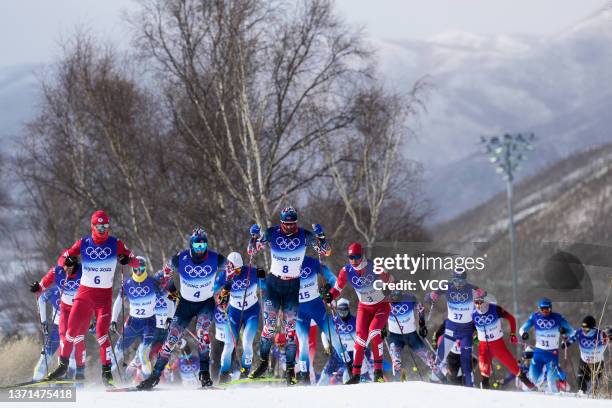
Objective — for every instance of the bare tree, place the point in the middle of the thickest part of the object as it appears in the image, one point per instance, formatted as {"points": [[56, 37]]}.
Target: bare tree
{"points": [[370, 172]]}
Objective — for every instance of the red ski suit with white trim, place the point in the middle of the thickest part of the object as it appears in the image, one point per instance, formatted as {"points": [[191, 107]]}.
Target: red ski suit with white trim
{"points": [[372, 311]]}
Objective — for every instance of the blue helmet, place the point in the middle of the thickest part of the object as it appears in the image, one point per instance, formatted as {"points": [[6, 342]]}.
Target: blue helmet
{"points": [[198, 242], [289, 214], [545, 303]]}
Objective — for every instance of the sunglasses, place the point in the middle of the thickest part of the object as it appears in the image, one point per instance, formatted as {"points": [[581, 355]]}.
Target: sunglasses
{"points": [[354, 257], [199, 245], [140, 268], [478, 302], [545, 309], [101, 227]]}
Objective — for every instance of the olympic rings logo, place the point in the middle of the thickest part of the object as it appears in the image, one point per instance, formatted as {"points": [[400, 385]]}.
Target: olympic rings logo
{"points": [[160, 303], [484, 320], [288, 243], [70, 285], [198, 271], [345, 328], [305, 272], [188, 368], [458, 296], [98, 252], [586, 343], [400, 309], [139, 291], [361, 281], [240, 284], [220, 317], [545, 324]]}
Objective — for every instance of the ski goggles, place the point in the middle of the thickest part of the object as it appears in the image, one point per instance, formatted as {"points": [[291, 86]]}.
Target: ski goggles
{"points": [[142, 269], [585, 328], [199, 246], [354, 257], [545, 309], [478, 301], [101, 227]]}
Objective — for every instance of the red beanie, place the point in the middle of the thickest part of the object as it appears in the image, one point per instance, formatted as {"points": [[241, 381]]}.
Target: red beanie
{"points": [[99, 217]]}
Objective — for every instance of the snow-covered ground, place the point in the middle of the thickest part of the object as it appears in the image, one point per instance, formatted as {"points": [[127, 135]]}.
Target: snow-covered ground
{"points": [[397, 395]]}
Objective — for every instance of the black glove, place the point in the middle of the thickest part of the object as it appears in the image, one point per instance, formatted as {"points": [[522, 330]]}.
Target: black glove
{"points": [[123, 259], [113, 327], [173, 295], [325, 293], [168, 322], [525, 336], [45, 328], [422, 328], [384, 333], [562, 330], [224, 296], [34, 287], [261, 273], [563, 345]]}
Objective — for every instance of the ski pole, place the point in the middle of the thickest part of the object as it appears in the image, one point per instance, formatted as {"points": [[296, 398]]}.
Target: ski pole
{"points": [[122, 316]]}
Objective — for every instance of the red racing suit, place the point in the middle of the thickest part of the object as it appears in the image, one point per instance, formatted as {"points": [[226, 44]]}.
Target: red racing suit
{"points": [[94, 296], [491, 339], [372, 311]]}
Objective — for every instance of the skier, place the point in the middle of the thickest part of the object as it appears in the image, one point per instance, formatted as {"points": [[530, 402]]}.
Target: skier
{"points": [[50, 331], [592, 343], [197, 268], [243, 311], [99, 254], [140, 290], [67, 279], [458, 324], [403, 331], [372, 311], [346, 324], [288, 244], [491, 344], [311, 307], [547, 325]]}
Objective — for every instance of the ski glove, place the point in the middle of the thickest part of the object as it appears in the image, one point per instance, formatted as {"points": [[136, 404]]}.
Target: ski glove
{"points": [[513, 338], [167, 324], [384, 333], [422, 328], [325, 293], [223, 298], [34, 287], [318, 230], [113, 327], [45, 328], [123, 259], [525, 336], [255, 230], [261, 273]]}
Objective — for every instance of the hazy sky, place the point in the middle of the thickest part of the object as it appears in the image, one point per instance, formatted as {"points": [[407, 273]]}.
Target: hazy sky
{"points": [[31, 29]]}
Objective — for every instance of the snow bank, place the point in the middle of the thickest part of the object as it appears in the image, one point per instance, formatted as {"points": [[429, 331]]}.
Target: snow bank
{"points": [[397, 395]]}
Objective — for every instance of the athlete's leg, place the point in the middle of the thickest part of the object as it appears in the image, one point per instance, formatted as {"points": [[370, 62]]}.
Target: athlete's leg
{"points": [[204, 320], [231, 336], [103, 309], [302, 330], [78, 322], [364, 317], [271, 306], [290, 305], [251, 325], [396, 345], [145, 346], [505, 356], [132, 330], [378, 322]]}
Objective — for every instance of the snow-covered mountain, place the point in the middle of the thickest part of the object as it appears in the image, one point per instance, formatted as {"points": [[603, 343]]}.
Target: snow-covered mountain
{"points": [[557, 87]]}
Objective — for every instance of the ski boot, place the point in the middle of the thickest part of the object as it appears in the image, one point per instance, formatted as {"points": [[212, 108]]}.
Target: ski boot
{"points": [[525, 380], [303, 378], [79, 374], [204, 377], [378, 376], [290, 374], [355, 379], [150, 382], [260, 371], [244, 373], [107, 376], [60, 371], [484, 383], [225, 377]]}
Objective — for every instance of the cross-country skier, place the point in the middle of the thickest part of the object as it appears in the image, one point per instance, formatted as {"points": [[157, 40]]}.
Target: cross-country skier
{"points": [[311, 307], [288, 244], [458, 324], [548, 326], [67, 280], [242, 281], [50, 331], [346, 324], [99, 254], [403, 331], [140, 290], [592, 343], [197, 268], [487, 319], [372, 311]]}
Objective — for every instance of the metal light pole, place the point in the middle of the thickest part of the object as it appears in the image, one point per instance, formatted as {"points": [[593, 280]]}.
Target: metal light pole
{"points": [[506, 153]]}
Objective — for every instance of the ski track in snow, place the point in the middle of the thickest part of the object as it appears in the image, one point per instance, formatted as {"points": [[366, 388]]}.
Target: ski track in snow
{"points": [[409, 394]]}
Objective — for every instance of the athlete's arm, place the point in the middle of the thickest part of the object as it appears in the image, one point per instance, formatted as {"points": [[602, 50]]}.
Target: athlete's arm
{"points": [[47, 280], [527, 325], [340, 283], [42, 309], [328, 275], [123, 249], [74, 250], [506, 315], [117, 306]]}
